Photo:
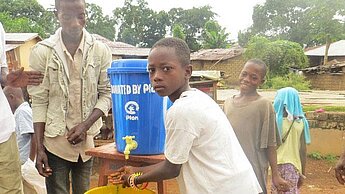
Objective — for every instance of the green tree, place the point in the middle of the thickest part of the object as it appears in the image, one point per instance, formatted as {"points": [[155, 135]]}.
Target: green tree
{"points": [[178, 32], [308, 22], [19, 24], [156, 29], [138, 24], [29, 13], [328, 25], [193, 22], [214, 36], [244, 36], [279, 55], [98, 23]]}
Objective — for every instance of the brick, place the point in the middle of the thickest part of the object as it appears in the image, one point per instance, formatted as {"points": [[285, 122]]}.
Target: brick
{"points": [[313, 124], [231, 67], [322, 124], [311, 115], [322, 116]]}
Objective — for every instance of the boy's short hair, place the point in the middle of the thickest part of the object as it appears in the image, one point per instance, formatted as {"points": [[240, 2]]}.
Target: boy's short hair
{"points": [[260, 63], [57, 3], [181, 48]]}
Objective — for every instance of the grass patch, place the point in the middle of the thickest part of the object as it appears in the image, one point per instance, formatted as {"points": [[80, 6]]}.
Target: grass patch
{"points": [[308, 108], [330, 158], [315, 155]]}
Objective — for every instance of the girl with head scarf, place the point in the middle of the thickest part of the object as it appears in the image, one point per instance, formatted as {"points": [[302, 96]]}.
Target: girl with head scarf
{"points": [[294, 132]]}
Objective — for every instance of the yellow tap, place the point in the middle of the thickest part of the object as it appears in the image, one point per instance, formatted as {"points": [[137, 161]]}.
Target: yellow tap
{"points": [[130, 145]]}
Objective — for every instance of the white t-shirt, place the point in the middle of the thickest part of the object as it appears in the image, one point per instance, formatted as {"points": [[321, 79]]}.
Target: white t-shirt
{"points": [[3, 62], [200, 137], [6, 118]]}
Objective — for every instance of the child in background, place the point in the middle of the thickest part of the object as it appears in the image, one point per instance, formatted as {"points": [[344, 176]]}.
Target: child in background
{"points": [[201, 149], [294, 131], [24, 126], [32, 182], [253, 120]]}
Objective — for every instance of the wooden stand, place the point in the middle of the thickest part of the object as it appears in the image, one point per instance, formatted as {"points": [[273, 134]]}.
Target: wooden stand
{"points": [[110, 160], [207, 86]]}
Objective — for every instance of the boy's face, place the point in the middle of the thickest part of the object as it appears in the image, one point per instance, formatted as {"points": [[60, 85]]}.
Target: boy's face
{"points": [[12, 101], [251, 77], [168, 77], [72, 18]]}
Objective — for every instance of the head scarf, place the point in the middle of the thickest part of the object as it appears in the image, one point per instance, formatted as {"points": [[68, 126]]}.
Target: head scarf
{"points": [[288, 98]]}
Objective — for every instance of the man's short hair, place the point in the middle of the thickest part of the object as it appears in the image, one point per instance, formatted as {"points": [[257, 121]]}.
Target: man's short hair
{"points": [[260, 63], [181, 48], [57, 3]]}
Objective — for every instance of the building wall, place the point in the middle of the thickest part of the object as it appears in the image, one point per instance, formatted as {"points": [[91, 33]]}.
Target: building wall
{"points": [[24, 51], [327, 81], [318, 60], [116, 57], [12, 59], [327, 132], [231, 68], [339, 58]]}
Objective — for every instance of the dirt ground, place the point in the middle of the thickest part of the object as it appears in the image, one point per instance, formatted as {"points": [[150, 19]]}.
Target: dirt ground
{"points": [[320, 179]]}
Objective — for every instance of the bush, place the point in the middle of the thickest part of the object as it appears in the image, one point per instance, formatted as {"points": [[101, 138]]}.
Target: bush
{"points": [[330, 158], [299, 82], [315, 156], [279, 55]]}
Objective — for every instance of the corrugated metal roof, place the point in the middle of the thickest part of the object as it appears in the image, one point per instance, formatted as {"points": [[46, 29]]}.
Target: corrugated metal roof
{"points": [[321, 69], [142, 52], [123, 49], [20, 37], [335, 49], [112, 43], [216, 54]]}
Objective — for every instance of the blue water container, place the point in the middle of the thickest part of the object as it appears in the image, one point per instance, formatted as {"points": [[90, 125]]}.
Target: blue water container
{"points": [[137, 110]]}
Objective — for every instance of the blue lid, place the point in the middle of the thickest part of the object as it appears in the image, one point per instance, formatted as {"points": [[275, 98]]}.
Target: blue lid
{"points": [[128, 66]]}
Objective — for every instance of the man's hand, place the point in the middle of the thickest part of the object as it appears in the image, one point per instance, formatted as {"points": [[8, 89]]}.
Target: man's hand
{"points": [[340, 170], [21, 78], [42, 164], [77, 134], [281, 184]]}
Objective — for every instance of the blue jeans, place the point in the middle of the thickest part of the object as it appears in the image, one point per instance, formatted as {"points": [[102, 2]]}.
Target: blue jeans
{"points": [[59, 181]]}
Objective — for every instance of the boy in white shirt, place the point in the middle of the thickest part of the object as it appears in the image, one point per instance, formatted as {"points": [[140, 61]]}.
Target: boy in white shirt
{"points": [[201, 148]]}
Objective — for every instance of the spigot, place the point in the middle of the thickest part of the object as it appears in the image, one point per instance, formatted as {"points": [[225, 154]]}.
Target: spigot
{"points": [[130, 145]]}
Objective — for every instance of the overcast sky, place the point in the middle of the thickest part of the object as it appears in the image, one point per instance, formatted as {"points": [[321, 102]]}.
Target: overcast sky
{"points": [[233, 15]]}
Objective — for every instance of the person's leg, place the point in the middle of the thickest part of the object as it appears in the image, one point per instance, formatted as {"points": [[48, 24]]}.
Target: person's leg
{"points": [[58, 182], [27, 188], [81, 173], [10, 171]]}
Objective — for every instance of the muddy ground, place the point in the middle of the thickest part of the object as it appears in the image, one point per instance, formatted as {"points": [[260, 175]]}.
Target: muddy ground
{"points": [[320, 179]]}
